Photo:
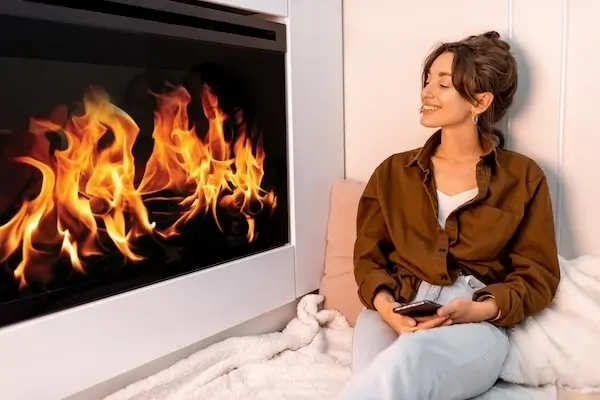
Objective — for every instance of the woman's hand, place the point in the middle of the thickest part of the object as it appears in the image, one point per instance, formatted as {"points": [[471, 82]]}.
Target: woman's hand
{"points": [[464, 310], [385, 304], [399, 323], [432, 321]]}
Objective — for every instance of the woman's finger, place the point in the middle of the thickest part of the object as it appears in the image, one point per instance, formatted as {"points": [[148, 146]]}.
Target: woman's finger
{"points": [[407, 321], [403, 330], [424, 319], [446, 310], [453, 307], [432, 323]]}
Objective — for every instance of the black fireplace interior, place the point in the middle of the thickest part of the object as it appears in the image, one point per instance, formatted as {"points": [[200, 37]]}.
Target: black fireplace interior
{"points": [[136, 145]]}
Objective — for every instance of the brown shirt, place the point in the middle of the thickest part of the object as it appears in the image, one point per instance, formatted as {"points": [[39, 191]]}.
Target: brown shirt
{"points": [[504, 236]]}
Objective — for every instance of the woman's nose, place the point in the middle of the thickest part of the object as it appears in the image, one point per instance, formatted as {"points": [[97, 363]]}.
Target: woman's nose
{"points": [[426, 93]]}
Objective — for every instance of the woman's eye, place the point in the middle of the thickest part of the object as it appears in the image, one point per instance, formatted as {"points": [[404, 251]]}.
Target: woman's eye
{"points": [[444, 86]]}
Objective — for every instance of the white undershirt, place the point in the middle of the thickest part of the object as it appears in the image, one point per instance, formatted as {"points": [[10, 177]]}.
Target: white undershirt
{"points": [[447, 204]]}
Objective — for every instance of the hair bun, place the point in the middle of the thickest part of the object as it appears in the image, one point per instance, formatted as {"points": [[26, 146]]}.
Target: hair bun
{"points": [[495, 38], [492, 35]]}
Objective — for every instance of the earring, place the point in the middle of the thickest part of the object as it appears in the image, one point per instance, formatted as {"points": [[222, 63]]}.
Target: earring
{"points": [[474, 118]]}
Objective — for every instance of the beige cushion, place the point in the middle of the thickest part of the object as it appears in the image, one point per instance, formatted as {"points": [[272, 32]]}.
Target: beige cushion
{"points": [[338, 285], [563, 394]]}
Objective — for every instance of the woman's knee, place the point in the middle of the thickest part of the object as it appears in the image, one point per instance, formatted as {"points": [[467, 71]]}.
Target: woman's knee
{"points": [[433, 364], [410, 353], [369, 323], [366, 315], [372, 335]]}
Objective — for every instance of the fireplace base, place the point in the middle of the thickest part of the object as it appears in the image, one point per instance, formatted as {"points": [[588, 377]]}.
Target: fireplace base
{"points": [[184, 310]]}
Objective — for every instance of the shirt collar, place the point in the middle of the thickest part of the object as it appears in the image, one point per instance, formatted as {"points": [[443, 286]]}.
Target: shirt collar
{"points": [[423, 157]]}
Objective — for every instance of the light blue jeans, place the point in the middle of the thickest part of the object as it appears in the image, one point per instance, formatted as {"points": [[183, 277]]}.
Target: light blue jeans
{"points": [[455, 362]]}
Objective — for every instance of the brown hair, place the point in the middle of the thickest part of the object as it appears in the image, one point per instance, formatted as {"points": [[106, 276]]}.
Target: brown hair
{"points": [[482, 63]]}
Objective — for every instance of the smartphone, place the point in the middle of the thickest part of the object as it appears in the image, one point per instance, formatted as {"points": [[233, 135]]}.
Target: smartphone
{"points": [[424, 308]]}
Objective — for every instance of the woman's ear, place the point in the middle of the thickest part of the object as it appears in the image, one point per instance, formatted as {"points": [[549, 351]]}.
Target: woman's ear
{"points": [[484, 100]]}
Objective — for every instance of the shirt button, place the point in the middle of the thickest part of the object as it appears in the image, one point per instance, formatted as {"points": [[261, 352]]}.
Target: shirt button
{"points": [[444, 277]]}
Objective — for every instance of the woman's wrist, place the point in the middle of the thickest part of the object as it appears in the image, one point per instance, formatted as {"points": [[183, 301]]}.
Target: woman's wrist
{"points": [[383, 300], [488, 309]]}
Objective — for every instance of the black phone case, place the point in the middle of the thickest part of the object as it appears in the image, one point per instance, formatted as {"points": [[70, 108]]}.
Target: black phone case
{"points": [[419, 309]]}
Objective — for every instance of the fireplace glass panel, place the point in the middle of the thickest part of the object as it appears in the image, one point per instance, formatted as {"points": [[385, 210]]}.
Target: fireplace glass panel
{"points": [[130, 158]]}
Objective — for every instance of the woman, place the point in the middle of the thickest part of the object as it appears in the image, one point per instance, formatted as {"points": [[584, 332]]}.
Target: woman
{"points": [[461, 222]]}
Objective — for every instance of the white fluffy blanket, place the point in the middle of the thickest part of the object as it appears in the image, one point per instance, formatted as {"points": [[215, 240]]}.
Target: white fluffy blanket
{"points": [[562, 343], [310, 359]]}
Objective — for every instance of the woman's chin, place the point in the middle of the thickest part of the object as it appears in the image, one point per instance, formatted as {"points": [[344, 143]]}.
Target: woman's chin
{"points": [[429, 122]]}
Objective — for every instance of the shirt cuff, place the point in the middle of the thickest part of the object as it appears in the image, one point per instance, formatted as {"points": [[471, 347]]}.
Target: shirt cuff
{"points": [[372, 282]]}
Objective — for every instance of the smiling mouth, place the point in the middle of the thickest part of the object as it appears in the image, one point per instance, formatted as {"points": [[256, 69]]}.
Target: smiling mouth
{"points": [[429, 108]]}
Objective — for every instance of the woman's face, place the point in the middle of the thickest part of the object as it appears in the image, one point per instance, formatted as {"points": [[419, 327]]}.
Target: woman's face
{"points": [[442, 105]]}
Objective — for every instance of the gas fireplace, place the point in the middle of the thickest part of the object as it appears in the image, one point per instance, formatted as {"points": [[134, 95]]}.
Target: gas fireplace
{"points": [[137, 144]]}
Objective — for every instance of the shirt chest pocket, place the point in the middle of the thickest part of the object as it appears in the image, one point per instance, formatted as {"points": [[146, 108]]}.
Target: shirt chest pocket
{"points": [[484, 231]]}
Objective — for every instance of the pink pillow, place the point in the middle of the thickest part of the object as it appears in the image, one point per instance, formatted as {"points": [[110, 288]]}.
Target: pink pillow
{"points": [[338, 285]]}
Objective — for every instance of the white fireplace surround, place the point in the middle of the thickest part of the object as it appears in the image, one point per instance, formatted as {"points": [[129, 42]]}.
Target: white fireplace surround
{"points": [[55, 356]]}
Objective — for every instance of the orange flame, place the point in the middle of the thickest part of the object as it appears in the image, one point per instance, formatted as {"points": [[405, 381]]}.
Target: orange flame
{"points": [[88, 195]]}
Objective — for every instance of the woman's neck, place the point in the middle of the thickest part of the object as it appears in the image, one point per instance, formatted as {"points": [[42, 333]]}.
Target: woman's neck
{"points": [[460, 144]]}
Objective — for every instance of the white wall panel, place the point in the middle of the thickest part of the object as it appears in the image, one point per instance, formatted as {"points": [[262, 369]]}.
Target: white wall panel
{"points": [[317, 128], [535, 122], [581, 141]]}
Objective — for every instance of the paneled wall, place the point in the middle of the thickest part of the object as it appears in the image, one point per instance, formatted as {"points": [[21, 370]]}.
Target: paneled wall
{"points": [[552, 121]]}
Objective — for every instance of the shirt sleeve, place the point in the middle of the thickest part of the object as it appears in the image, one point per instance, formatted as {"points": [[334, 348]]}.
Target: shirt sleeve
{"points": [[534, 273], [372, 248]]}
